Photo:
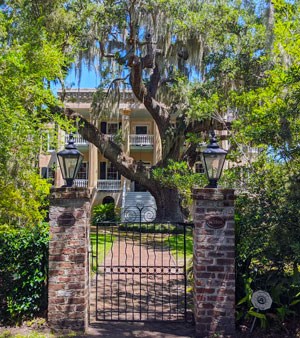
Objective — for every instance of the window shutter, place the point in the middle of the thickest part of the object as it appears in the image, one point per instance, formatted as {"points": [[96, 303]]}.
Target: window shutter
{"points": [[103, 127], [44, 172], [102, 170]]}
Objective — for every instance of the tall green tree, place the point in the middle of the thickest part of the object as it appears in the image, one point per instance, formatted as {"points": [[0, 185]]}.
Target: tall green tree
{"points": [[268, 205], [28, 61]]}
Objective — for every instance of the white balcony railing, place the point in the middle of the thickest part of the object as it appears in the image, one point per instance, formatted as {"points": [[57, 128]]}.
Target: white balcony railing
{"points": [[78, 139], [109, 185], [81, 183], [141, 140]]}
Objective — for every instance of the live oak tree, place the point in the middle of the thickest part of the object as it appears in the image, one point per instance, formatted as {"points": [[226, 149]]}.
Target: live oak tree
{"points": [[182, 60]]}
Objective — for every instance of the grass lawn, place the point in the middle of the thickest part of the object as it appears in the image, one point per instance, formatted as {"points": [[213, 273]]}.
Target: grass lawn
{"points": [[176, 243], [105, 242]]}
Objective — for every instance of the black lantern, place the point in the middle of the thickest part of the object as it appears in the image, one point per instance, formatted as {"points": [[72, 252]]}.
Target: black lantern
{"points": [[69, 160], [213, 158]]}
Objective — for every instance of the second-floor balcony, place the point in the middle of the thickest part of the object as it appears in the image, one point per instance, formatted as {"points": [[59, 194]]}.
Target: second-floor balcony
{"points": [[109, 185], [102, 185], [141, 140], [80, 183], [78, 140]]}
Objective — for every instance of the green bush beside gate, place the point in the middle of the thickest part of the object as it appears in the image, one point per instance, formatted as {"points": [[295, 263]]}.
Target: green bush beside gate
{"points": [[23, 272]]}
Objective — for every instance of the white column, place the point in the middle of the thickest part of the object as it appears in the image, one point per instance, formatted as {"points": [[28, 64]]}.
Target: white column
{"points": [[125, 136], [93, 166], [126, 130], [58, 180]]}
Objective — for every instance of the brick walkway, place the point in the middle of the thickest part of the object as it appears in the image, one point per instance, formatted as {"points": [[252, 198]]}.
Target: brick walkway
{"points": [[141, 282]]}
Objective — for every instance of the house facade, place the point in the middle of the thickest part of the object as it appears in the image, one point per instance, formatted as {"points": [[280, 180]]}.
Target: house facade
{"points": [[134, 129]]}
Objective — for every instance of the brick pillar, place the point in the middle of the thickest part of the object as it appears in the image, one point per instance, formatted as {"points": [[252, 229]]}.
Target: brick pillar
{"points": [[214, 269], [68, 258]]}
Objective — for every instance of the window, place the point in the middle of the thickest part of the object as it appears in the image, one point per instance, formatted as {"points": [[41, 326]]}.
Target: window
{"points": [[83, 171], [199, 169], [112, 172], [48, 173], [112, 128], [141, 130], [48, 141], [108, 171]]}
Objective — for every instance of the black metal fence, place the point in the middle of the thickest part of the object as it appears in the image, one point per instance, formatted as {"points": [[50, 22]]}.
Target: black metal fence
{"points": [[140, 268]]}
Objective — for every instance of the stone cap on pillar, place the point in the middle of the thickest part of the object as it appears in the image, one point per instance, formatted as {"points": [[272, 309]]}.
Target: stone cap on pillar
{"points": [[69, 193], [214, 194]]}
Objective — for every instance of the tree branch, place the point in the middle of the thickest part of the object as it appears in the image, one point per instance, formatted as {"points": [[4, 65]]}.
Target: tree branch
{"points": [[125, 164], [159, 112]]}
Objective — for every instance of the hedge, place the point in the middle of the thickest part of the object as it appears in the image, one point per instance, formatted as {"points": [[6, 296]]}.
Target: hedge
{"points": [[23, 272]]}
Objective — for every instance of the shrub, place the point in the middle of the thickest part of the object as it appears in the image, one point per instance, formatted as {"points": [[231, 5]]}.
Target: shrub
{"points": [[23, 272], [267, 240], [103, 212]]}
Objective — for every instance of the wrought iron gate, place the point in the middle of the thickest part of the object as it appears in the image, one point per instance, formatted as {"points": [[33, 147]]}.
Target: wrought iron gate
{"points": [[140, 268]]}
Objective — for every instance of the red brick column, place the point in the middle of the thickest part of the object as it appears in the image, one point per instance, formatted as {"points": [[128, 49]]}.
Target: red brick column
{"points": [[214, 269], [68, 258]]}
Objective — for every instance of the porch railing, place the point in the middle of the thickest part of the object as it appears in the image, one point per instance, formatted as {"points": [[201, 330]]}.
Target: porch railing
{"points": [[109, 185], [141, 140], [78, 139], [81, 183]]}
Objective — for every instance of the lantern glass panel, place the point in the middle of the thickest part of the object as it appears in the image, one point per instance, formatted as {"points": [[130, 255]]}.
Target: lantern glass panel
{"points": [[69, 165], [214, 165]]}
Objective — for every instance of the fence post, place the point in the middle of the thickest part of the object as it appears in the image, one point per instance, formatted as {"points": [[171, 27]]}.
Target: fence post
{"points": [[68, 281], [214, 261]]}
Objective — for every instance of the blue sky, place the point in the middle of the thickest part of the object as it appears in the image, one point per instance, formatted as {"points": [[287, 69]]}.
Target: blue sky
{"points": [[89, 79]]}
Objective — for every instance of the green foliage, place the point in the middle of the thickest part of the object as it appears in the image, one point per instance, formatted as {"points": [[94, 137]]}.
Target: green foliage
{"points": [[268, 203], [267, 235], [23, 271], [29, 60], [103, 212], [105, 243], [177, 245], [178, 175], [151, 228], [268, 114]]}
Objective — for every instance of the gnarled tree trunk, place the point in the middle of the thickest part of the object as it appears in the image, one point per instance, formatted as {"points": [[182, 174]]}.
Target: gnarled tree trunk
{"points": [[168, 205]]}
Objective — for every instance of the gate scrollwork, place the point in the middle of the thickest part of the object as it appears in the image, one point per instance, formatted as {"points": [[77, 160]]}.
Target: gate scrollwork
{"points": [[139, 213]]}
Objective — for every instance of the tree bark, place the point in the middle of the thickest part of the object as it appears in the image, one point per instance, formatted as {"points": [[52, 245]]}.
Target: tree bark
{"points": [[167, 200], [168, 204]]}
